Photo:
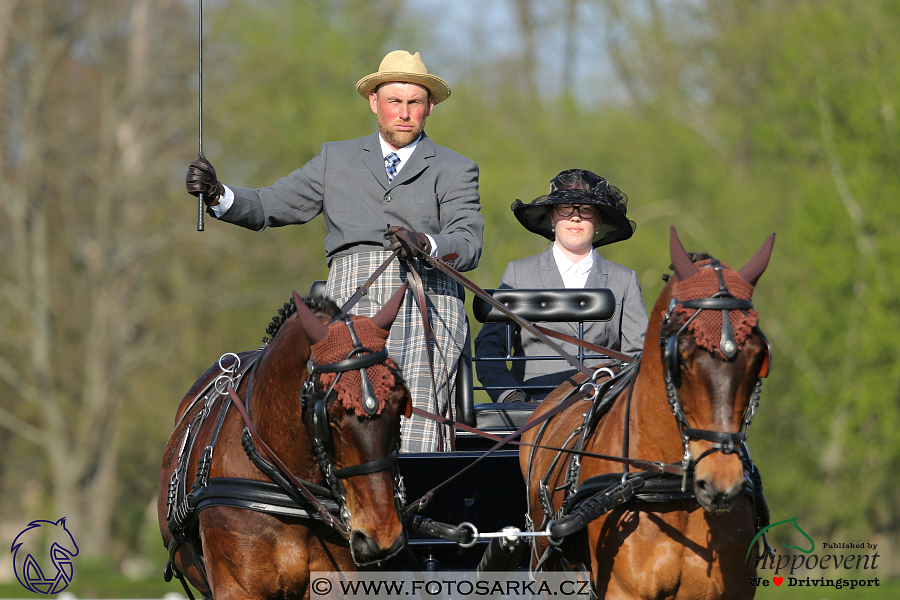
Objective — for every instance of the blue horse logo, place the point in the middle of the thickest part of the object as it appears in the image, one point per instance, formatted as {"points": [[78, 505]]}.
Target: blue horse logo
{"points": [[27, 548]]}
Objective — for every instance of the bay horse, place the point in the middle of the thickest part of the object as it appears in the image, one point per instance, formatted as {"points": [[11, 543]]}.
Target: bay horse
{"points": [[311, 484], [695, 390]]}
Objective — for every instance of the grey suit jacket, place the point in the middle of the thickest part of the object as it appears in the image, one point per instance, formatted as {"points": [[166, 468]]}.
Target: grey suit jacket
{"points": [[436, 192], [623, 332]]}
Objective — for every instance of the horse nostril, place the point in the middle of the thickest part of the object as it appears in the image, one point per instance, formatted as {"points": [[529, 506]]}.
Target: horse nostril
{"points": [[363, 545], [366, 550]]}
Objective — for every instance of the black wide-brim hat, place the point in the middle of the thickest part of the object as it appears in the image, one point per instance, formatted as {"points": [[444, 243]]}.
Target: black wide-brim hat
{"points": [[577, 186]]}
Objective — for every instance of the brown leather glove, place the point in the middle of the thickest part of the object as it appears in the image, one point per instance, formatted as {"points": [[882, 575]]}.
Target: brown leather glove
{"points": [[410, 243], [201, 179]]}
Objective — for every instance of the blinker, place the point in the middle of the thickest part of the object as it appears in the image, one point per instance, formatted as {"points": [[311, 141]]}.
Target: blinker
{"points": [[764, 368], [370, 404], [320, 420]]}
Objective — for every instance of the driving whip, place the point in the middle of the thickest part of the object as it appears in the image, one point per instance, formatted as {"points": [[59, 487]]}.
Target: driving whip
{"points": [[201, 200]]}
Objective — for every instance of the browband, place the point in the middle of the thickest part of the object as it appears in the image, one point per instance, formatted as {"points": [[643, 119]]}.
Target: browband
{"points": [[724, 303], [349, 364]]}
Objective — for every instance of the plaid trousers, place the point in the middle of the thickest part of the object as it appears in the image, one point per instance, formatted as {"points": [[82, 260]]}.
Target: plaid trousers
{"points": [[406, 342]]}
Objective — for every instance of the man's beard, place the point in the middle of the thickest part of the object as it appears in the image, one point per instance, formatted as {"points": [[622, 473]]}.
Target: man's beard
{"points": [[400, 139]]}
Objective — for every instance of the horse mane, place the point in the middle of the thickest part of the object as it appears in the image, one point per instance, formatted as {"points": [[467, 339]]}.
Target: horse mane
{"points": [[320, 305], [694, 256]]}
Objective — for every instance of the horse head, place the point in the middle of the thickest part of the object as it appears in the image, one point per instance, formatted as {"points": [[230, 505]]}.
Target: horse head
{"points": [[713, 356], [352, 403]]}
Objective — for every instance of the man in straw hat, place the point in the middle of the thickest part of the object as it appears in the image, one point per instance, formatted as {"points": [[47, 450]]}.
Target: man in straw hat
{"points": [[581, 212], [367, 189]]}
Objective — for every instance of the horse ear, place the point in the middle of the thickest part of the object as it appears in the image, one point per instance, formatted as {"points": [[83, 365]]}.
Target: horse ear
{"points": [[384, 318], [754, 269], [314, 329], [407, 409], [681, 262]]}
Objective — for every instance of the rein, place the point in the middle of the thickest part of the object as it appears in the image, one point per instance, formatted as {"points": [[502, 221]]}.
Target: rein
{"points": [[579, 393], [320, 509], [541, 333]]}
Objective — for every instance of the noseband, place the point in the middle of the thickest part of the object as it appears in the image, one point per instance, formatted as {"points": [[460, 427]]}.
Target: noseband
{"points": [[723, 441], [359, 358]]}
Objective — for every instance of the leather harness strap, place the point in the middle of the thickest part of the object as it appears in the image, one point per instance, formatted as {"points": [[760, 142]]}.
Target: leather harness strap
{"points": [[364, 288], [326, 516], [586, 345], [442, 266], [647, 465], [419, 291]]}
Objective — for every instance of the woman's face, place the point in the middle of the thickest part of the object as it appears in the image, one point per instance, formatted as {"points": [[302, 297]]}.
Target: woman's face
{"points": [[575, 226]]}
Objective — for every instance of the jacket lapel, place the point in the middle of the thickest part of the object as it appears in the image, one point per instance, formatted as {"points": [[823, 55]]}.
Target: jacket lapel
{"points": [[550, 277], [374, 161], [599, 275], [417, 163], [598, 332]]}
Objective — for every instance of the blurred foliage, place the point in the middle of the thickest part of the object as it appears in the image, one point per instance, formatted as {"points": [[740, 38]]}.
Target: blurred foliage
{"points": [[735, 119]]}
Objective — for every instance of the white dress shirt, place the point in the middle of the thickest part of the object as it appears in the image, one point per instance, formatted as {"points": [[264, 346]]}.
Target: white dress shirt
{"points": [[574, 275]]}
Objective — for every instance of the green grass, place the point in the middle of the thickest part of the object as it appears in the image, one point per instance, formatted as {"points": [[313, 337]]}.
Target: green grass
{"points": [[96, 580]]}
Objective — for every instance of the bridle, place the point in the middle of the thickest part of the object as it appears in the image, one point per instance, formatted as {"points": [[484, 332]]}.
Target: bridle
{"points": [[316, 403], [723, 441]]}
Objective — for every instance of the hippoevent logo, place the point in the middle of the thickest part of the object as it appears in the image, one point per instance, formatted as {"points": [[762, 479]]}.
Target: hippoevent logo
{"points": [[44, 571], [833, 565]]}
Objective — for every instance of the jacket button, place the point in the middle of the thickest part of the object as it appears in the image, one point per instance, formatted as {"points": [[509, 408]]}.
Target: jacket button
{"points": [[387, 198]]}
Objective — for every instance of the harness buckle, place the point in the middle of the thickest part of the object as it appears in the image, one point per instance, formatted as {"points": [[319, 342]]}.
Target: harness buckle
{"points": [[685, 466]]}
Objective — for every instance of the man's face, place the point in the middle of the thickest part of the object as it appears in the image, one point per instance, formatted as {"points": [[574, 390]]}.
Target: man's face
{"points": [[402, 109]]}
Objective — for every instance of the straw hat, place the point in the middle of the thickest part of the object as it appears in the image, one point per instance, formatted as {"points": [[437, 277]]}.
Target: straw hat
{"points": [[577, 186], [400, 65]]}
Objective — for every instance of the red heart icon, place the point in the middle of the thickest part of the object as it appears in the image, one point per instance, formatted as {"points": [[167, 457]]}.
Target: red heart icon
{"points": [[778, 580]]}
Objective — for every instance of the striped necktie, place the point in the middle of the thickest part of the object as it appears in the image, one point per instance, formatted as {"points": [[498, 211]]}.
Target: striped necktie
{"points": [[390, 165]]}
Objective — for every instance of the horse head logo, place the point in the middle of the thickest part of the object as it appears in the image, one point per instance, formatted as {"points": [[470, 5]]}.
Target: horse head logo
{"points": [[53, 544], [812, 544]]}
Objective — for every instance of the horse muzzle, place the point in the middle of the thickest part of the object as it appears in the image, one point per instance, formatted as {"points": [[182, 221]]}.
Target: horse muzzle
{"points": [[368, 552], [718, 482]]}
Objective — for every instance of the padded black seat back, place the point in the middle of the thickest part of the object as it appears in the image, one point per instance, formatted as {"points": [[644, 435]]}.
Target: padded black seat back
{"points": [[544, 306], [538, 306], [553, 306]]}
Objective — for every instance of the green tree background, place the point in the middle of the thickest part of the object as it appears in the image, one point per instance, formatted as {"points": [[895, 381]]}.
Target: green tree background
{"points": [[729, 119]]}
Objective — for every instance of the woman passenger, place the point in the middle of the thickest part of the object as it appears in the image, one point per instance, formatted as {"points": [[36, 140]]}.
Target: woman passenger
{"points": [[581, 212]]}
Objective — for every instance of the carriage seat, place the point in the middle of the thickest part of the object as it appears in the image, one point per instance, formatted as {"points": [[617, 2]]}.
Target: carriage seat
{"points": [[538, 306]]}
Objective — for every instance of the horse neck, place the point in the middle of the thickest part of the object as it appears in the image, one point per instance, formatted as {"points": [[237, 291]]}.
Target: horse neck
{"points": [[275, 409], [653, 430]]}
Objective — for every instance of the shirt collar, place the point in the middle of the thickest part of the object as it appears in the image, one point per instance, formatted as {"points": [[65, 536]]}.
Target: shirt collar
{"points": [[566, 266], [403, 153]]}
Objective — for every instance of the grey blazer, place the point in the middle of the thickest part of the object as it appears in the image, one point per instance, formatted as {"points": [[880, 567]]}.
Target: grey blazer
{"points": [[436, 192], [624, 332]]}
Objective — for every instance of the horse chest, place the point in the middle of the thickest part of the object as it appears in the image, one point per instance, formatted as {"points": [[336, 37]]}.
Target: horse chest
{"points": [[673, 554]]}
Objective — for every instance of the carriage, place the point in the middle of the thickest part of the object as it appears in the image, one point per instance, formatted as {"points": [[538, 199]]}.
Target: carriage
{"points": [[526, 485]]}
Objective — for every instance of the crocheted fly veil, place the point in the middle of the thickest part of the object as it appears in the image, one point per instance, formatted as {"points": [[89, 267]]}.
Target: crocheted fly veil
{"points": [[335, 347], [707, 327]]}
